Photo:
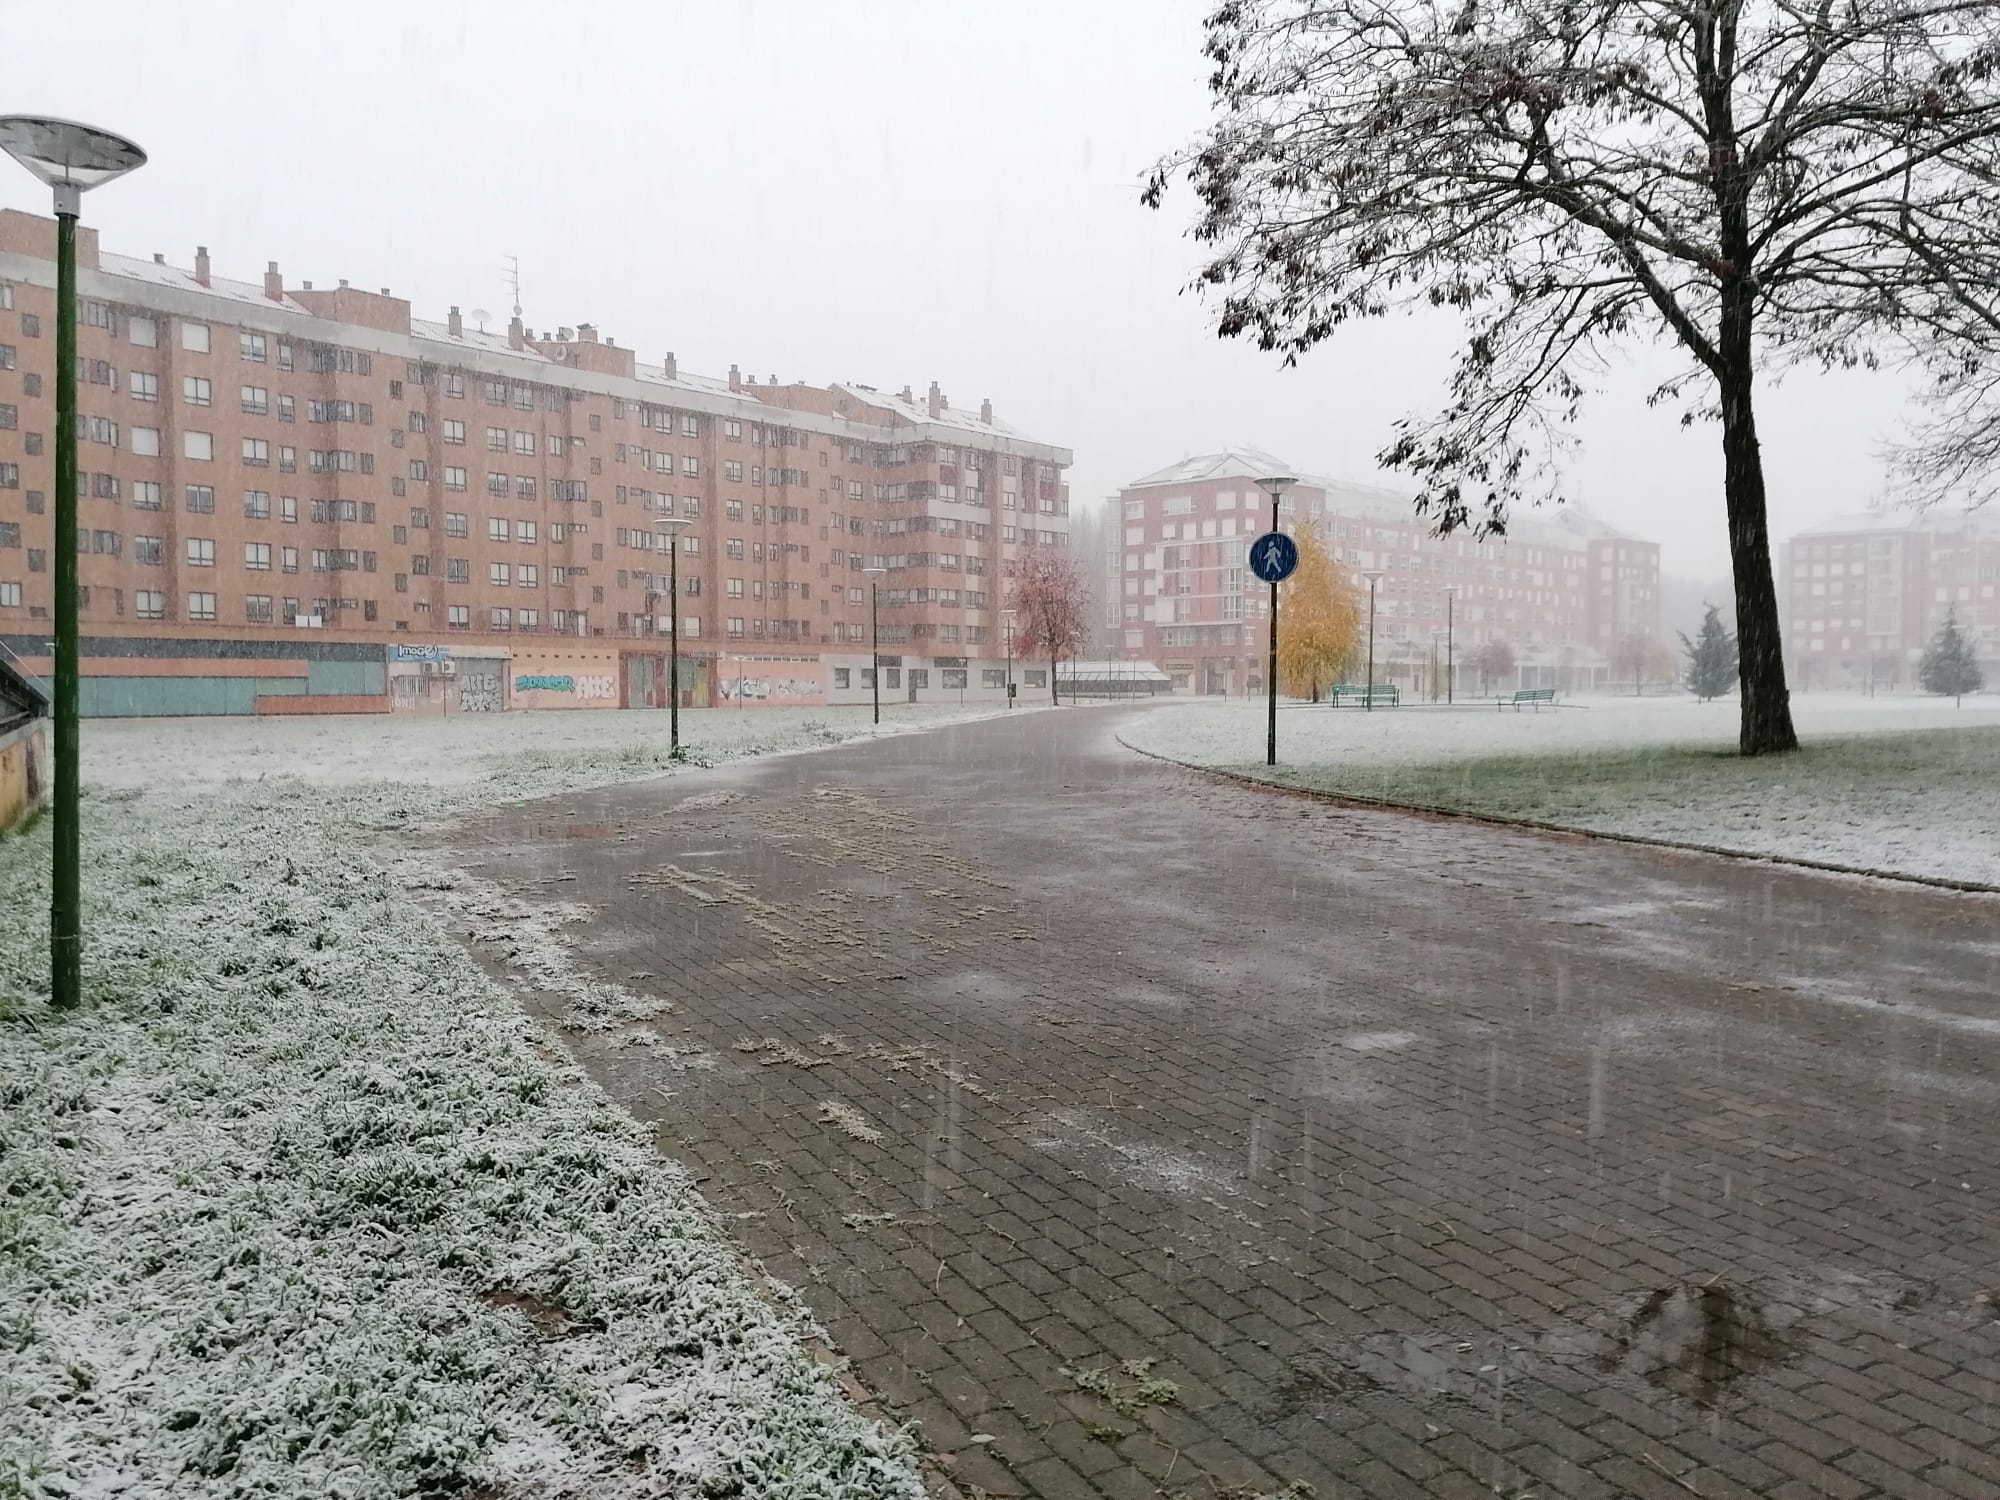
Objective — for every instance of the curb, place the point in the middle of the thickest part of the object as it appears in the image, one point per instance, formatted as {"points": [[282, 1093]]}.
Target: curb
{"points": [[1566, 830]]}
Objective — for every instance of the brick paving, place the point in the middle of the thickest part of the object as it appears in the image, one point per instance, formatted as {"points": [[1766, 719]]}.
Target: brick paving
{"points": [[1141, 1135]]}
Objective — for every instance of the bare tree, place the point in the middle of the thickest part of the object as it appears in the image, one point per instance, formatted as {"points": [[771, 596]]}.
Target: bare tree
{"points": [[1051, 598], [1753, 184]]}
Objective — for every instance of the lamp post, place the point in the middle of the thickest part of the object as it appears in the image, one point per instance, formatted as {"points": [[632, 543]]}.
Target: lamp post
{"points": [[1450, 671], [1374, 576], [1274, 486], [71, 159], [875, 637], [1007, 616], [670, 528]]}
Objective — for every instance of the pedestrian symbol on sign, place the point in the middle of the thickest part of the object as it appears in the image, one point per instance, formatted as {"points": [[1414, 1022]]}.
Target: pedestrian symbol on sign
{"points": [[1273, 557]]}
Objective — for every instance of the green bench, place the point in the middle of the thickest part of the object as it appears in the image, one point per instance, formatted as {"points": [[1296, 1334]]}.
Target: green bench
{"points": [[1535, 697], [1385, 694]]}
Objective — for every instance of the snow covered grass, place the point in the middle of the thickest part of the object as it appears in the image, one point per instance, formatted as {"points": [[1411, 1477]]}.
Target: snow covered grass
{"points": [[299, 1204], [1900, 784], [611, 744]]}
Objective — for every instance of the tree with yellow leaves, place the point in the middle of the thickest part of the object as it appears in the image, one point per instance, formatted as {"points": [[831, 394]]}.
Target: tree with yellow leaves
{"points": [[1319, 620]]}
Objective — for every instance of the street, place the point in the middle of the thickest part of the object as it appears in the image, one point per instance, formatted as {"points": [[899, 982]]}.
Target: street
{"points": [[1137, 1133]]}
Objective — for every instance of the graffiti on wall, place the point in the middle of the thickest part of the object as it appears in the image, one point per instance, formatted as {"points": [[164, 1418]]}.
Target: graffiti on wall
{"points": [[772, 689], [588, 687], [479, 692]]}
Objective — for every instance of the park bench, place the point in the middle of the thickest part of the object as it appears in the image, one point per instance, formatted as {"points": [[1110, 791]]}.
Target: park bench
{"points": [[1384, 694], [1535, 697]]}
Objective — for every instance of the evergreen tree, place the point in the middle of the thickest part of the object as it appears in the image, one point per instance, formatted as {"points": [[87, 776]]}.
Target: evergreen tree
{"points": [[1319, 621], [1949, 667], [1711, 657]]}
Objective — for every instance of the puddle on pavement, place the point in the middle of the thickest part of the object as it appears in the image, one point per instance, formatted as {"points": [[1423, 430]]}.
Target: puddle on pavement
{"points": [[1696, 1341]]}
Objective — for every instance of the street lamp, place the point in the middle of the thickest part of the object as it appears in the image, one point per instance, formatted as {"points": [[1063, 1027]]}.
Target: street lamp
{"points": [[1007, 615], [1274, 486], [71, 159], [875, 638], [1374, 576], [1450, 672], [670, 527]]}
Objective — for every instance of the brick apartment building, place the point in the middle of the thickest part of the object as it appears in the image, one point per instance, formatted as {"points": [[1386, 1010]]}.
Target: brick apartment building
{"points": [[1562, 591], [298, 499], [1864, 594]]}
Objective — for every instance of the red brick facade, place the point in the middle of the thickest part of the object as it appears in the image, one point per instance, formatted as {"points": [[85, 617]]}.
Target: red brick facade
{"points": [[269, 463]]}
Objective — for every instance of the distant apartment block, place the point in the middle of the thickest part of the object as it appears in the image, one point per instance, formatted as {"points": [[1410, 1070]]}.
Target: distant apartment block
{"points": [[309, 493], [1562, 589], [1864, 594]]}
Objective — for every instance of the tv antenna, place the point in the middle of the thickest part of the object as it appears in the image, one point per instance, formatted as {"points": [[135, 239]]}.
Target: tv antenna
{"points": [[510, 271]]}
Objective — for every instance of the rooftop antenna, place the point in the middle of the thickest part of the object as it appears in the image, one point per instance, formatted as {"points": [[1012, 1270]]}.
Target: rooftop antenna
{"points": [[510, 271], [479, 316]]}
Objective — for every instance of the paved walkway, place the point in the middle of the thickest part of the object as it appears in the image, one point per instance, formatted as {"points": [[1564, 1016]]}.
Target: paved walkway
{"points": [[1138, 1134]]}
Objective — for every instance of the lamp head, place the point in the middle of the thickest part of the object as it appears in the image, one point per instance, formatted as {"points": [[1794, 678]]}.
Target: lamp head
{"points": [[69, 157]]}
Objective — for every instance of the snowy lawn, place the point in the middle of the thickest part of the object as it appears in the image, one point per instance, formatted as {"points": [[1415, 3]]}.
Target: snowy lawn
{"points": [[1910, 785], [299, 1204]]}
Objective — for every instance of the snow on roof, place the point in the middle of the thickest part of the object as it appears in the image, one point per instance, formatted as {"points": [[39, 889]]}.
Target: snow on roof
{"points": [[1566, 526], [480, 339], [155, 274], [1898, 518], [1230, 463], [966, 420]]}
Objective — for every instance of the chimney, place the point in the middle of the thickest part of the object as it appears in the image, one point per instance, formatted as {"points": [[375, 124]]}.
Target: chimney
{"points": [[587, 332], [517, 337], [455, 324], [774, 380], [935, 398], [944, 402], [201, 264], [306, 285], [159, 259], [274, 284], [986, 413], [385, 291], [672, 366], [343, 283], [735, 378]]}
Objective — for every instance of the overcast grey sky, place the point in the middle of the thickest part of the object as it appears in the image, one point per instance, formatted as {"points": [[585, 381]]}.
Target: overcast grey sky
{"points": [[885, 191]]}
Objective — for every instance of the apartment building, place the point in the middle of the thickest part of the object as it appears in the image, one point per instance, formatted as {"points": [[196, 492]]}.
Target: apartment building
{"points": [[1863, 595], [1562, 589], [304, 493]]}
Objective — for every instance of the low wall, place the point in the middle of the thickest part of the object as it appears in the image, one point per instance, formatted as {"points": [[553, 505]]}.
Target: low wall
{"points": [[323, 703], [24, 771]]}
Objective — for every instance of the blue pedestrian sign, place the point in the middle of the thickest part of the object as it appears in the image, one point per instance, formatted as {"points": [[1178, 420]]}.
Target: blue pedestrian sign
{"points": [[1274, 557]]}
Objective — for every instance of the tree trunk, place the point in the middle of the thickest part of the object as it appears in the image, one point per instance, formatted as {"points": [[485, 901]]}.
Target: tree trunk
{"points": [[1767, 705], [1054, 701]]}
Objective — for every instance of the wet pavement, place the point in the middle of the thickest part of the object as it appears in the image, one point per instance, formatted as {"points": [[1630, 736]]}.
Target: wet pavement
{"points": [[1140, 1134]]}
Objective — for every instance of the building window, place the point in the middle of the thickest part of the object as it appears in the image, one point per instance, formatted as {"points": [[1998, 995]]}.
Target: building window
{"points": [[496, 486], [200, 552], [256, 400], [150, 604], [199, 446], [257, 556], [288, 460], [257, 505], [251, 347], [257, 609], [201, 606], [194, 339], [524, 531], [288, 559], [454, 478], [528, 576], [458, 616], [524, 444], [257, 453], [455, 524], [454, 430], [524, 487], [142, 386], [146, 442], [200, 500]]}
